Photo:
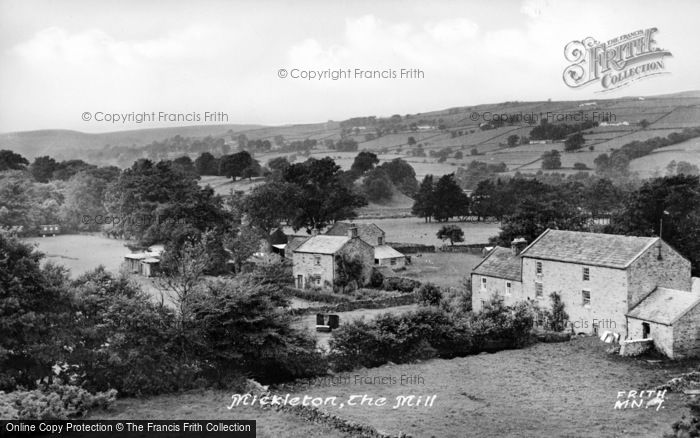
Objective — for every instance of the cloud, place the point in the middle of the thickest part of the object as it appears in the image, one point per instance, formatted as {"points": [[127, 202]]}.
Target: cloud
{"points": [[93, 46]]}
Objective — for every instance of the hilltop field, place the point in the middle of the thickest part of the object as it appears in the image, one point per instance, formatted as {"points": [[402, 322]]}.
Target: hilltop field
{"points": [[455, 128]]}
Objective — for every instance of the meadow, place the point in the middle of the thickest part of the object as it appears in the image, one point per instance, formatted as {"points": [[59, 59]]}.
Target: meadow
{"points": [[565, 389]]}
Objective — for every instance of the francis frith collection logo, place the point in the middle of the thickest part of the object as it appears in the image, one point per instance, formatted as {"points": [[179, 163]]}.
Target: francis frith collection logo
{"points": [[616, 62]]}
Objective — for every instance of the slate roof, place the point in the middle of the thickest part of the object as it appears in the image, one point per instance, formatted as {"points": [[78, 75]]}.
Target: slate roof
{"points": [[367, 232], [608, 250], [386, 252], [295, 242], [500, 263], [323, 244], [665, 306]]}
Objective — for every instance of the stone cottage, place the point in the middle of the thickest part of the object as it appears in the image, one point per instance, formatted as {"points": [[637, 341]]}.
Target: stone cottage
{"points": [[601, 279], [384, 255], [314, 261]]}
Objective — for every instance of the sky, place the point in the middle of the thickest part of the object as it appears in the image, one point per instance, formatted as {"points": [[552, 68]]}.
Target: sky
{"points": [[61, 59]]}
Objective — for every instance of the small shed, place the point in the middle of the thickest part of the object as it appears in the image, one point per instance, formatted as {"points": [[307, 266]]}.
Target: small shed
{"points": [[384, 255], [671, 318], [149, 266]]}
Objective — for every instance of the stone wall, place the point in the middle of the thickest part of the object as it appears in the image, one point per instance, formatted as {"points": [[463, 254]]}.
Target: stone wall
{"points": [[495, 286], [686, 335], [305, 265], [607, 286], [661, 334], [647, 272], [347, 306], [635, 347]]}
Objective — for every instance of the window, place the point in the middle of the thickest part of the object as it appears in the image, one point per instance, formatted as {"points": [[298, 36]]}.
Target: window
{"points": [[538, 290], [376, 261], [483, 283], [586, 274], [586, 297], [317, 280], [508, 287], [317, 260], [380, 240], [538, 268], [393, 262]]}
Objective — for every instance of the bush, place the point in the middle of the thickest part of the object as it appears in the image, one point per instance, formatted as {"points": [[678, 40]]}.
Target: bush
{"points": [[401, 284], [53, 402], [118, 326], [419, 335], [376, 279], [429, 295]]}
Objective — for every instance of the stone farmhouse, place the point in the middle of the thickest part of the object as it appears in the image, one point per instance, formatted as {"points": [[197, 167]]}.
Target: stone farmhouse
{"points": [[638, 287], [314, 261]]}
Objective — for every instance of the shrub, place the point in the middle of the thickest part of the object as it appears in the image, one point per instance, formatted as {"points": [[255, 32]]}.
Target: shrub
{"points": [[376, 279], [53, 402], [400, 283], [429, 295], [118, 326], [419, 335]]}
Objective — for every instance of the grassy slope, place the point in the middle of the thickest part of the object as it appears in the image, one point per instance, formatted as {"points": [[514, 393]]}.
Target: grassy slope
{"points": [[566, 389]]}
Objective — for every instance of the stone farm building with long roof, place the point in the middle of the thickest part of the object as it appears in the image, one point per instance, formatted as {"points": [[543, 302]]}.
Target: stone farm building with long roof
{"points": [[634, 286]]}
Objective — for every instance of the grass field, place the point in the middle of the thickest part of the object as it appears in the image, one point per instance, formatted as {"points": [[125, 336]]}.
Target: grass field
{"points": [[82, 252], [212, 405], [415, 230], [442, 269], [566, 389], [546, 390]]}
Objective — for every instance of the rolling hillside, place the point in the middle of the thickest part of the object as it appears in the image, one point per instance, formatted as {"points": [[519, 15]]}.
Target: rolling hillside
{"points": [[460, 133]]}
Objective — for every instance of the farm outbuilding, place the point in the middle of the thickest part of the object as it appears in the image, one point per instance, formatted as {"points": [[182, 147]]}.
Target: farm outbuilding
{"points": [[671, 318]]}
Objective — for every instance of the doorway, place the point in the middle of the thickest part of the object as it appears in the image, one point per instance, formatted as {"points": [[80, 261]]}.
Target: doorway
{"points": [[646, 330]]}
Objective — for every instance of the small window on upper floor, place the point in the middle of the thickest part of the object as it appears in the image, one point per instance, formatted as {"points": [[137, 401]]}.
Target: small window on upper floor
{"points": [[509, 287], [538, 290], [483, 283], [380, 240], [317, 260], [538, 268], [586, 274]]}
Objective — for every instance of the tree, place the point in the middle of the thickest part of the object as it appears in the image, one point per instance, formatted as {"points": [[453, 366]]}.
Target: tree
{"points": [[267, 205], [241, 245], [402, 175], [423, 206], [34, 315], [574, 142], [364, 161], [449, 199], [322, 197], [557, 317], [459, 155], [451, 232], [411, 141], [377, 186], [429, 294], [206, 164], [240, 164], [84, 195], [644, 123], [11, 161], [42, 168], [513, 140], [346, 145], [551, 160], [278, 165], [673, 200]]}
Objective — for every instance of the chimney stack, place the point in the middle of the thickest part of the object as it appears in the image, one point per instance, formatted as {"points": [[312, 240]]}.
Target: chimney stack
{"points": [[517, 245], [352, 231], [314, 232]]}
